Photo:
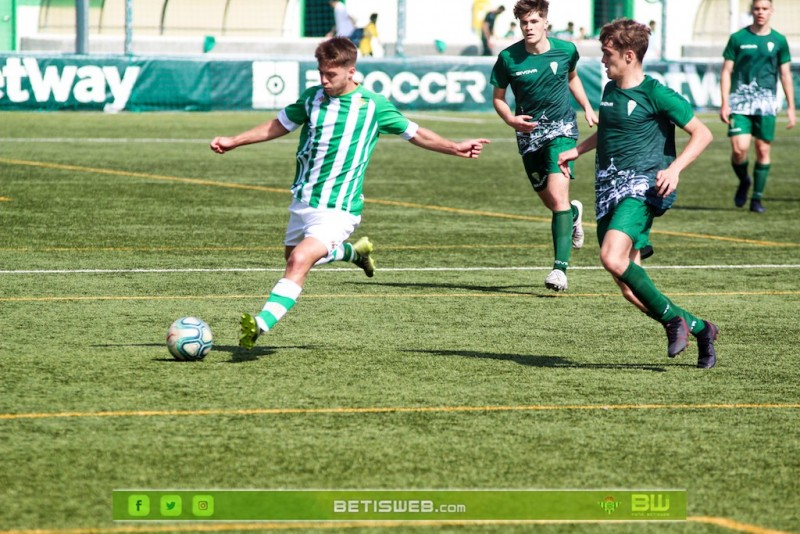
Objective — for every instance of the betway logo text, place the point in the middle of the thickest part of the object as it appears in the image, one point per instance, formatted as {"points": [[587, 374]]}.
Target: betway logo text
{"points": [[22, 79]]}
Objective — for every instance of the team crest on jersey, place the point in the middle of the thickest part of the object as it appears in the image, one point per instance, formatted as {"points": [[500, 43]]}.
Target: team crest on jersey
{"points": [[770, 46], [554, 67], [631, 107]]}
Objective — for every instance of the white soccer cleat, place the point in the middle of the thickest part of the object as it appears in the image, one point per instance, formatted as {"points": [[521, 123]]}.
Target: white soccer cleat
{"points": [[577, 226], [556, 280]]}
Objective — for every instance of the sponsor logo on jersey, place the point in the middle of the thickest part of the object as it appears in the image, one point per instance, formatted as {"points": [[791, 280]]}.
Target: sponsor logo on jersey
{"points": [[606, 104], [746, 46], [524, 72]]}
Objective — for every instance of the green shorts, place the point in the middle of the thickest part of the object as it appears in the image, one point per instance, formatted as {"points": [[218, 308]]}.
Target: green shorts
{"points": [[543, 162], [760, 126], [633, 218]]}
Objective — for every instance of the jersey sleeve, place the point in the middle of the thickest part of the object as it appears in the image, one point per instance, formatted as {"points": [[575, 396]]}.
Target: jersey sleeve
{"points": [[730, 50], [784, 56], [391, 121], [574, 56], [295, 115], [672, 105], [499, 77]]}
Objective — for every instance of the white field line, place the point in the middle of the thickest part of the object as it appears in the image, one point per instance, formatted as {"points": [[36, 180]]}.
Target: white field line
{"points": [[188, 141], [383, 270], [175, 140]]}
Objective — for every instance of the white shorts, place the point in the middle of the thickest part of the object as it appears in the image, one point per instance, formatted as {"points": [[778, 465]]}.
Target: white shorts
{"points": [[331, 227]]}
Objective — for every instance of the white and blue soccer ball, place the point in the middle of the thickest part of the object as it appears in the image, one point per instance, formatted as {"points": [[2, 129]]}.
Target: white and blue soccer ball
{"points": [[189, 339]]}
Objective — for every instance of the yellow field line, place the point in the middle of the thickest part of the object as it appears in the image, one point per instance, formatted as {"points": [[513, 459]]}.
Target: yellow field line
{"points": [[147, 176], [4, 199], [306, 525], [429, 207], [388, 296], [399, 409], [735, 525]]}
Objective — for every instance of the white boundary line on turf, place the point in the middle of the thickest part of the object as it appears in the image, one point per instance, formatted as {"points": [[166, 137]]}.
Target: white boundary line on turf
{"points": [[389, 269], [174, 140]]}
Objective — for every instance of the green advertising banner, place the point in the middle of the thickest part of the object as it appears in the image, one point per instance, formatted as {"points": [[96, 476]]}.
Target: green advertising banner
{"points": [[201, 83], [399, 505]]}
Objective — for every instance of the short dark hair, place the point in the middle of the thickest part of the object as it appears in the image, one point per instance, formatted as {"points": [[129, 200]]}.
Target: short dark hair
{"points": [[626, 34], [337, 51], [523, 7]]}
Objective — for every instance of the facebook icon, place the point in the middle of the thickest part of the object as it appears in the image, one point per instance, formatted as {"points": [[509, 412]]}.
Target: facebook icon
{"points": [[138, 505]]}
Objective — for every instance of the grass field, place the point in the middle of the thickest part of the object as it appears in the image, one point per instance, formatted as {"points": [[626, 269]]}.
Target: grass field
{"points": [[112, 226]]}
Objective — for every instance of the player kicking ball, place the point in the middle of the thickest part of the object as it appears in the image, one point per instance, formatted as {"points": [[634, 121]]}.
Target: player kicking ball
{"points": [[637, 175], [340, 122]]}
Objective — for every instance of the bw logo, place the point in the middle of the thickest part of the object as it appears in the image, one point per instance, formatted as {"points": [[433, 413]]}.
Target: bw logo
{"points": [[649, 502]]}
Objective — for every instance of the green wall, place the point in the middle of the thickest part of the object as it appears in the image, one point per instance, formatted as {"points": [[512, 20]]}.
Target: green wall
{"points": [[8, 24]]}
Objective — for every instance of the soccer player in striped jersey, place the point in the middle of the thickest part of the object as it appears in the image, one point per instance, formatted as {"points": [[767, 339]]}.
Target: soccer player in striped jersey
{"points": [[754, 58], [340, 122], [637, 173], [541, 72]]}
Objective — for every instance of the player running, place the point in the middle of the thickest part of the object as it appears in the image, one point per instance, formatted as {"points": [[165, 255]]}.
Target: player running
{"points": [[753, 59], [637, 173], [542, 73]]}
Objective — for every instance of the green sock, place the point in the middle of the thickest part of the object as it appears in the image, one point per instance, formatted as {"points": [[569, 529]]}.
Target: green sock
{"points": [[282, 298], [760, 174], [658, 305], [562, 238], [740, 169]]}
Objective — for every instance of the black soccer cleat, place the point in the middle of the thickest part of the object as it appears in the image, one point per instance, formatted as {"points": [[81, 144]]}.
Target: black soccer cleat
{"points": [[755, 206], [741, 192], [677, 336], [706, 354]]}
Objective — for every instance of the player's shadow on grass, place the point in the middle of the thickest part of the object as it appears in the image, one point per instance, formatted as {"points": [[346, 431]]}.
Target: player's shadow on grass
{"points": [[704, 208], [769, 199], [552, 362], [240, 355], [509, 289]]}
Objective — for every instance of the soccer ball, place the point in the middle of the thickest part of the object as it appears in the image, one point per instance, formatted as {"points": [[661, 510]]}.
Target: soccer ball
{"points": [[189, 338]]}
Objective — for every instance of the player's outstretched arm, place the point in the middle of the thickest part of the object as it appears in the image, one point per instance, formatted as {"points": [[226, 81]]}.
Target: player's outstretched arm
{"points": [[263, 132], [430, 140]]}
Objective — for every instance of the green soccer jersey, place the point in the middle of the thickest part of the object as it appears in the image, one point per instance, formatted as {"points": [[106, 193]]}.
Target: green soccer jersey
{"points": [[636, 139], [540, 84], [336, 142], [756, 66]]}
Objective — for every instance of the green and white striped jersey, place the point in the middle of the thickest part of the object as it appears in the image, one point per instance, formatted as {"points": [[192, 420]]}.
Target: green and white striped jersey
{"points": [[336, 142], [756, 67]]}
